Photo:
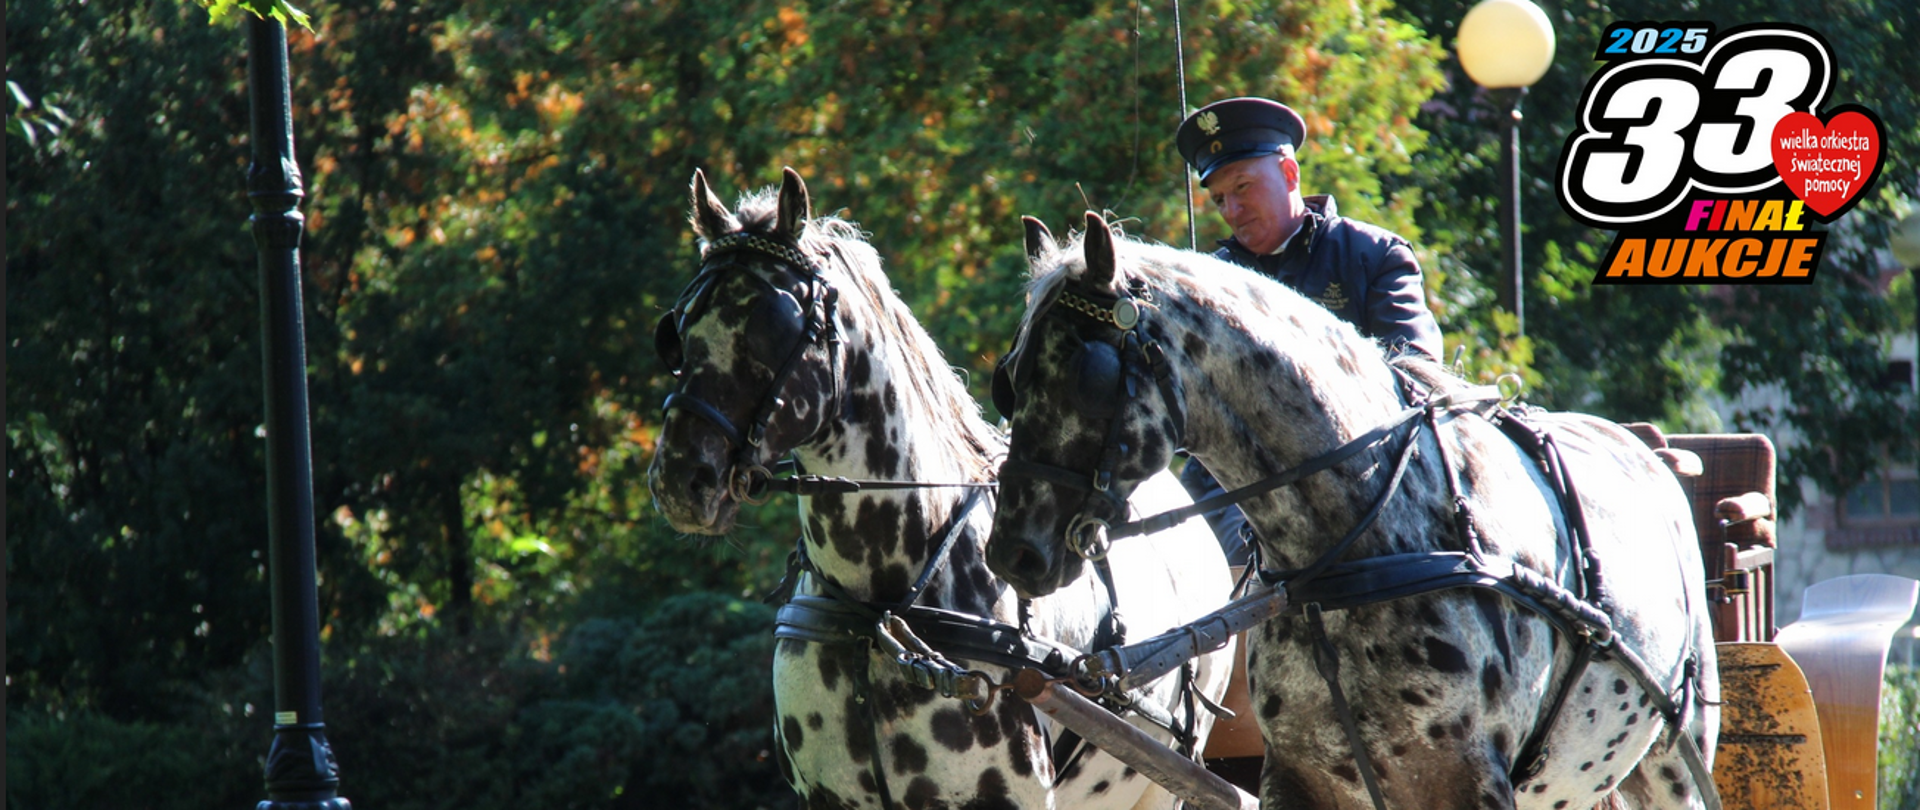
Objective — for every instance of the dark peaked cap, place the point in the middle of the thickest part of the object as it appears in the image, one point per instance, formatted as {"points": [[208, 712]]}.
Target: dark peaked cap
{"points": [[1236, 129]]}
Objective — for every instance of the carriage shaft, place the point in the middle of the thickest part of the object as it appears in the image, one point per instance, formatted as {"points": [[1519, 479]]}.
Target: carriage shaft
{"points": [[1180, 776], [1146, 661]]}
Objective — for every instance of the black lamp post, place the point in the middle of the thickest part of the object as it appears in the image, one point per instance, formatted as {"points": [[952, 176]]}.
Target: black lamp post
{"points": [[300, 774], [1506, 46]]}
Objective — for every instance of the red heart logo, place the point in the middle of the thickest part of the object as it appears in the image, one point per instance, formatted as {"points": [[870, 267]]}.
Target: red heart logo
{"points": [[1826, 164]]}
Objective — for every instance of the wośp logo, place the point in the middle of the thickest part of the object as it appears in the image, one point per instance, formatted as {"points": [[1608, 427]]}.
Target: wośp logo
{"points": [[1704, 152]]}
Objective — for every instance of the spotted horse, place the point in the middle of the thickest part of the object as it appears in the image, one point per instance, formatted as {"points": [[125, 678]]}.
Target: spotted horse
{"points": [[789, 342], [1490, 606]]}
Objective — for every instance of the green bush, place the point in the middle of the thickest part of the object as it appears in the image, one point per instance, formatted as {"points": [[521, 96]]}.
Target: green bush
{"points": [[670, 706], [688, 689], [1900, 739], [669, 709], [84, 760]]}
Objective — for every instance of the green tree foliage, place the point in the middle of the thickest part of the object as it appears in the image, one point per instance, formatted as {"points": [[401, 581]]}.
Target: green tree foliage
{"points": [[1899, 765], [133, 364]]}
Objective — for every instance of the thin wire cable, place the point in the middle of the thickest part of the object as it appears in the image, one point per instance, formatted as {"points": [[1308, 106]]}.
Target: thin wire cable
{"points": [[1180, 62], [1135, 173]]}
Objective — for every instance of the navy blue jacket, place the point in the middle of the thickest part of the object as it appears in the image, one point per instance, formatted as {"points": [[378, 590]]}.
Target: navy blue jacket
{"points": [[1365, 275]]}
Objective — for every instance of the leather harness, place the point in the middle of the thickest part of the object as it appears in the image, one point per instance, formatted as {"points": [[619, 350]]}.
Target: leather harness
{"points": [[836, 616], [1327, 584]]}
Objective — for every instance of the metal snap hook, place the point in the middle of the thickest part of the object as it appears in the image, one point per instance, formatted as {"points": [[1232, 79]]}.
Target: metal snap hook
{"points": [[1511, 387], [1087, 536]]}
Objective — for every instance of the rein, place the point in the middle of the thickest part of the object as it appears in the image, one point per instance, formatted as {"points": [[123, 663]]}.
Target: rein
{"points": [[761, 483]]}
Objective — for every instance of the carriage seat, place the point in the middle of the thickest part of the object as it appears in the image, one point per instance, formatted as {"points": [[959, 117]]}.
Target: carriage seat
{"points": [[1733, 513]]}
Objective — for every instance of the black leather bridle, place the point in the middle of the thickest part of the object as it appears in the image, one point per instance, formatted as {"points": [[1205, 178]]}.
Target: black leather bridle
{"points": [[1109, 377], [813, 322]]}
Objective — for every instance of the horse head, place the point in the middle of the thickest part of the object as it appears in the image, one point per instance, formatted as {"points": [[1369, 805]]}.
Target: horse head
{"points": [[750, 344], [1094, 411]]}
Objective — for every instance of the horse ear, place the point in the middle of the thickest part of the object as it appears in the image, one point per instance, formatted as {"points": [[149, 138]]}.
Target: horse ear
{"points": [[795, 207], [710, 217], [1039, 239], [1098, 245]]}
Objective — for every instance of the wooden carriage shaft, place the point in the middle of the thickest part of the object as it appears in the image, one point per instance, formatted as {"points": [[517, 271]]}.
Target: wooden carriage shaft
{"points": [[1180, 776]]}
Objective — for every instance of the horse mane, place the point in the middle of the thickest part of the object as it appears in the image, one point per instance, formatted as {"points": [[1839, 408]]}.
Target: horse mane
{"points": [[957, 419], [1269, 310]]}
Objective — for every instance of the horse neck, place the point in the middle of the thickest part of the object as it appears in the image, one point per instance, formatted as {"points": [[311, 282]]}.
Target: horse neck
{"points": [[1314, 388], [893, 425]]}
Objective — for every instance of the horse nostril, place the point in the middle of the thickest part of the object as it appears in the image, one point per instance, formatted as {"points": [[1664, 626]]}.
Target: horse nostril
{"points": [[1027, 565], [703, 481]]}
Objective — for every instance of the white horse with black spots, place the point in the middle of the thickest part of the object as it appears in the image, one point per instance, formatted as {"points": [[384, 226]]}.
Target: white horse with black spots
{"points": [[790, 341], [1450, 691]]}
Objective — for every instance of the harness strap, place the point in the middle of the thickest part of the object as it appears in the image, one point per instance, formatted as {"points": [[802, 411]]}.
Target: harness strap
{"points": [[1398, 576], [1164, 520], [863, 685], [1327, 660], [1332, 554], [1533, 754], [1168, 519], [700, 407], [939, 559], [828, 620]]}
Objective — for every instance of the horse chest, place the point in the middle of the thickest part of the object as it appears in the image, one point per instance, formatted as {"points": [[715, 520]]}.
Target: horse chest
{"points": [[837, 715]]}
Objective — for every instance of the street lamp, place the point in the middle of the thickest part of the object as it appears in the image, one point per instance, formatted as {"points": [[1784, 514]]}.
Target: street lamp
{"points": [[301, 773], [1505, 46]]}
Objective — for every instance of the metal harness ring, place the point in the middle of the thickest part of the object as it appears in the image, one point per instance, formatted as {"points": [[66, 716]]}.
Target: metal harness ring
{"points": [[748, 485], [1087, 536]]}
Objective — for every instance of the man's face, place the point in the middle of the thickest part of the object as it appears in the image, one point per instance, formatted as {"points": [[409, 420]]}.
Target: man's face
{"points": [[1255, 196]]}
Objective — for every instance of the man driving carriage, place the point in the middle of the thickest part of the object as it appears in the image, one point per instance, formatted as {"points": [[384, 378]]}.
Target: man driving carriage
{"points": [[1244, 152]]}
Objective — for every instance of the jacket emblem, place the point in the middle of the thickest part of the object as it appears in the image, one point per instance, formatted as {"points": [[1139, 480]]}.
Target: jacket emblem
{"points": [[1333, 298]]}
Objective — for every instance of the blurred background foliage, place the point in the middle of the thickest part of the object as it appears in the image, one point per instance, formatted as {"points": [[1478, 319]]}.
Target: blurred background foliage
{"points": [[495, 218]]}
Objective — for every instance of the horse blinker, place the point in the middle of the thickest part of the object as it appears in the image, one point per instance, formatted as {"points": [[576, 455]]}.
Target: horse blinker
{"points": [[666, 342], [1095, 391]]}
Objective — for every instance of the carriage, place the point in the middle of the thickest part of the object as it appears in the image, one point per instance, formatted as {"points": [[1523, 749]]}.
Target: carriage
{"points": [[787, 343]]}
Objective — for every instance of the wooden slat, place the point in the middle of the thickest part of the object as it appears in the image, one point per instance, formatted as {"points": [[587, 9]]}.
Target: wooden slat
{"points": [[1841, 640]]}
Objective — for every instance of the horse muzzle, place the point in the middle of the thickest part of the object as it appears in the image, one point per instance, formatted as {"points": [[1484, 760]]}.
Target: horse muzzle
{"points": [[693, 495], [1035, 567]]}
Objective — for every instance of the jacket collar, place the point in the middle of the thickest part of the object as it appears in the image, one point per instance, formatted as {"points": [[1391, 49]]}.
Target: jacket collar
{"points": [[1320, 208]]}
